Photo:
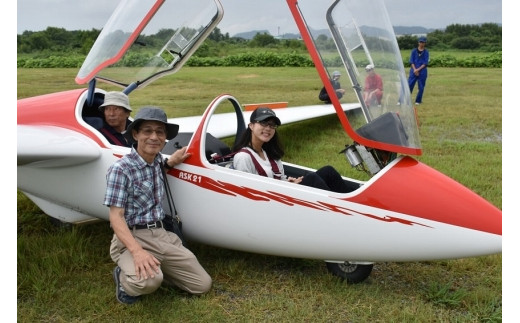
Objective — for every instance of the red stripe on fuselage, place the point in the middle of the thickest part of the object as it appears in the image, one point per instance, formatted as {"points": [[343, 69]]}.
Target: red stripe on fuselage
{"points": [[411, 187], [256, 195]]}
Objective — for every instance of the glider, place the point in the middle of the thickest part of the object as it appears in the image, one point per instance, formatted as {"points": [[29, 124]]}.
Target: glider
{"points": [[406, 211]]}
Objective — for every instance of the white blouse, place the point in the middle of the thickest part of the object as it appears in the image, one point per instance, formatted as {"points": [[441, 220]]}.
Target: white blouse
{"points": [[242, 161]]}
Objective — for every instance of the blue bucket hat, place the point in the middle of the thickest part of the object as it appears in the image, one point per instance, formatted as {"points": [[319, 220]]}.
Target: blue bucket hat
{"points": [[422, 39]]}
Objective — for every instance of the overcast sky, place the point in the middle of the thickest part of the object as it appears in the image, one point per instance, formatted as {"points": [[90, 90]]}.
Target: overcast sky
{"points": [[272, 15]]}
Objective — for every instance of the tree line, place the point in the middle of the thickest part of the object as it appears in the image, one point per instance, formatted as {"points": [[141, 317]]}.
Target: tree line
{"points": [[485, 37], [57, 47]]}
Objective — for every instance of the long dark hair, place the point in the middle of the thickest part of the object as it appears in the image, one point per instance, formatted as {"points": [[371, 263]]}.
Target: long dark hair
{"points": [[273, 147]]}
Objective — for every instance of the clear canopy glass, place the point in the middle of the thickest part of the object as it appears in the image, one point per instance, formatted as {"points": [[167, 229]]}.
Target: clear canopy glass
{"points": [[356, 39]]}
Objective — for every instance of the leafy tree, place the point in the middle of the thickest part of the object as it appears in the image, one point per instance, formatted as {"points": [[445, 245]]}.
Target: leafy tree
{"points": [[162, 35], [293, 43], [407, 42], [321, 38], [61, 38], [467, 42], [217, 36], [459, 30], [87, 39], [262, 40], [39, 41], [324, 42], [489, 29]]}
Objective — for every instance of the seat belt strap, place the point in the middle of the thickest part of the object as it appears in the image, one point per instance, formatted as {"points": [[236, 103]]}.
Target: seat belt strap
{"points": [[113, 138], [260, 169]]}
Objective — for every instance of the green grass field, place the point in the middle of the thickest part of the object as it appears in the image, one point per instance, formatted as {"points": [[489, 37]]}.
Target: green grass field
{"points": [[64, 274]]}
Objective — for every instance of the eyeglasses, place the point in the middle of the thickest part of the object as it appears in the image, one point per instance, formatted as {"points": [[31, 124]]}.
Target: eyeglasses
{"points": [[268, 124], [149, 131]]}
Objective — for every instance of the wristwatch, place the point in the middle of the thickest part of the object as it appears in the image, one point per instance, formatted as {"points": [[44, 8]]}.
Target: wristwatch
{"points": [[166, 164]]}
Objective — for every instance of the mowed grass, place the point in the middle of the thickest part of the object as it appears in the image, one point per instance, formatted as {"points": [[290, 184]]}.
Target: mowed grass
{"points": [[64, 274]]}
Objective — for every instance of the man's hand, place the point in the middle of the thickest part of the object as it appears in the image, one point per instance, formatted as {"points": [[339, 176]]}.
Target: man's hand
{"points": [[178, 157], [146, 265]]}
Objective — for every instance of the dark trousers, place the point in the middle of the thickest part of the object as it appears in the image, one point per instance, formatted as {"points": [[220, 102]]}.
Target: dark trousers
{"points": [[326, 178], [421, 83]]}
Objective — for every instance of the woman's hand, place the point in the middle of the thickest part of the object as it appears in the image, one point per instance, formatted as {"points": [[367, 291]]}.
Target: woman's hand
{"points": [[295, 180]]}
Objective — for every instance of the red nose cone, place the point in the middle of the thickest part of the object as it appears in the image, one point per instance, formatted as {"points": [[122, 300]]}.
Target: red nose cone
{"points": [[413, 188]]}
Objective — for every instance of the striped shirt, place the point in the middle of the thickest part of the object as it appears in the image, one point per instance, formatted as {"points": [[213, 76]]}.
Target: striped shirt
{"points": [[136, 186]]}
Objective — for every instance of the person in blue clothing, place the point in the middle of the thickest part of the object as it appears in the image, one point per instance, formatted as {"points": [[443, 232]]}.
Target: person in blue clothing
{"points": [[419, 59]]}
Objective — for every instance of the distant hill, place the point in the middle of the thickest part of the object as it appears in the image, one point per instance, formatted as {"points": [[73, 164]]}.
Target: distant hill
{"points": [[251, 34], [414, 30], [398, 30]]}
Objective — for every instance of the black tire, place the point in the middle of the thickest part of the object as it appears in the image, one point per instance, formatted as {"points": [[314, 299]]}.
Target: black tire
{"points": [[352, 273]]}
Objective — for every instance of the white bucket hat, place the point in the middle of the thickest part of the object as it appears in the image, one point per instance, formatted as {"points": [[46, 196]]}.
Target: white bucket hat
{"points": [[116, 98]]}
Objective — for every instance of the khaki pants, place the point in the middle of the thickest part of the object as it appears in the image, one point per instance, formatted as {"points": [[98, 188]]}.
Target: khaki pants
{"points": [[179, 266]]}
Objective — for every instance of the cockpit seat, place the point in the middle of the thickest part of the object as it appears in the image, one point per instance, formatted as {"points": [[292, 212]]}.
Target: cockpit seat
{"points": [[95, 122], [213, 145]]}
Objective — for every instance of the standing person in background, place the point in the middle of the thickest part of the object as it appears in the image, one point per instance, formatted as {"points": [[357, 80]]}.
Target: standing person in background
{"points": [[324, 96], [419, 59], [373, 90]]}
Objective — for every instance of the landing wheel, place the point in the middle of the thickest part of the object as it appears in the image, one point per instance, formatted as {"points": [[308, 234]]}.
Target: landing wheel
{"points": [[353, 273], [60, 224]]}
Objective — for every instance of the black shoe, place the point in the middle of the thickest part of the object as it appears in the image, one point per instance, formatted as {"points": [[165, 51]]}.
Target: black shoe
{"points": [[121, 296]]}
